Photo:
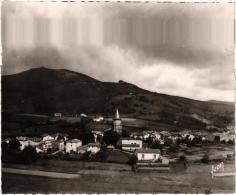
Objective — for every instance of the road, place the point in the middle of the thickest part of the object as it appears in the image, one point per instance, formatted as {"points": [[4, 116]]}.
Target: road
{"points": [[196, 179], [40, 173]]}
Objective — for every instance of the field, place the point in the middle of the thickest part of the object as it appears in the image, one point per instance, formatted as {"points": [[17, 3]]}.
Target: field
{"points": [[117, 178]]}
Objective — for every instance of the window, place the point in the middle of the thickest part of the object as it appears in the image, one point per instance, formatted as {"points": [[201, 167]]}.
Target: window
{"points": [[142, 155], [155, 156]]}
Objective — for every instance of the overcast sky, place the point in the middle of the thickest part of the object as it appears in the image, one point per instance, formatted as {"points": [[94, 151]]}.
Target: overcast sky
{"points": [[182, 49]]}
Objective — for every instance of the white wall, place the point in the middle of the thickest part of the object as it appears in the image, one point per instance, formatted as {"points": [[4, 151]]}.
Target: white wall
{"points": [[130, 142], [72, 146], [148, 156], [93, 149], [139, 142]]}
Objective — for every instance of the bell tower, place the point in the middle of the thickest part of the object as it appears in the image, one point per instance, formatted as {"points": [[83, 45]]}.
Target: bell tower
{"points": [[117, 123]]}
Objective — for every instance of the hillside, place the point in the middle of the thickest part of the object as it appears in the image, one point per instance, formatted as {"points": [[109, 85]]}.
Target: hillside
{"points": [[46, 91]]}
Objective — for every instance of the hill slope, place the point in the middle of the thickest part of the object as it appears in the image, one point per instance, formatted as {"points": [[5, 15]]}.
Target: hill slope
{"points": [[45, 91]]}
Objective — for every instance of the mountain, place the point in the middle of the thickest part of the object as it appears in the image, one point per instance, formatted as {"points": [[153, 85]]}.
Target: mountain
{"points": [[46, 91]]}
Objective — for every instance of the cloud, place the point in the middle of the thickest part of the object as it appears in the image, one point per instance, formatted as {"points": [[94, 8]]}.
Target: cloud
{"points": [[113, 63], [179, 49]]}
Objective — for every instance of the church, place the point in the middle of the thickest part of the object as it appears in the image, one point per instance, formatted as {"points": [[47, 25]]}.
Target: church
{"points": [[117, 123]]}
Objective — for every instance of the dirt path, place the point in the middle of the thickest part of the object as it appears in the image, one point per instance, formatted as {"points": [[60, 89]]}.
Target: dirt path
{"points": [[40, 173]]}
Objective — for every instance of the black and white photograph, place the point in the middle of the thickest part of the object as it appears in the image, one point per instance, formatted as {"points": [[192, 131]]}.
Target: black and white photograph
{"points": [[117, 97]]}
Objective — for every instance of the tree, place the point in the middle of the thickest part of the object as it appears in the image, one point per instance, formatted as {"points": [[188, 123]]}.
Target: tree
{"points": [[183, 159], [111, 137], [125, 133], [14, 145], [101, 155], [4, 148], [29, 154], [205, 159], [87, 137], [133, 161], [173, 148]]}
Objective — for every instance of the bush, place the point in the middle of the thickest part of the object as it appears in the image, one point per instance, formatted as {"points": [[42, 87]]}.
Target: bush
{"points": [[133, 160], [111, 137], [14, 145], [205, 159], [29, 154], [183, 160], [86, 156], [173, 148], [101, 156]]}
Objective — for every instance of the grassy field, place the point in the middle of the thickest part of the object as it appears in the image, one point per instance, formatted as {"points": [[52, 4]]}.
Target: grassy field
{"points": [[117, 178]]}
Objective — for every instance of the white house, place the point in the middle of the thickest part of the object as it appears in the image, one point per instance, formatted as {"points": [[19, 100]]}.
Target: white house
{"points": [[93, 148], [99, 119], [39, 149], [83, 115], [47, 145], [21, 138], [58, 114], [72, 145], [148, 154], [47, 137], [130, 144], [25, 143]]}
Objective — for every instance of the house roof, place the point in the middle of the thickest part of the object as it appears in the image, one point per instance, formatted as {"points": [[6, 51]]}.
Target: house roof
{"points": [[82, 148], [74, 141], [130, 145], [148, 151], [128, 138], [94, 144]]}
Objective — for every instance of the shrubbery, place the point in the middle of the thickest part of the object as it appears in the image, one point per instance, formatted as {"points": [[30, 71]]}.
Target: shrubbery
{"points": [[11, 153], [205, 159]]}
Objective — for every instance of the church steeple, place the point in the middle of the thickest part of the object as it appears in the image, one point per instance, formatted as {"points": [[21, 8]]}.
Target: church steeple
{"points": [[117, 123], [117, 114]]}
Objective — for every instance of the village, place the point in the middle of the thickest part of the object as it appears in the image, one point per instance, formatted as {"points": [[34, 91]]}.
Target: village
{"points": [[148, 149]]}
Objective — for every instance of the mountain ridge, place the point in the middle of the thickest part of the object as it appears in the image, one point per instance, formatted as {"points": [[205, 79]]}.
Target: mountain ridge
{"points": [[46, 91]]}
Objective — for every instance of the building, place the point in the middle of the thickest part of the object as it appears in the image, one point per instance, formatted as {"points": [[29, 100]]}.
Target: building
{"points": [[72, 145], [117, 123], [47, 137], [25, 143], [148, 154], [81, 149], [59, 136], [61, 145], [93, 148], [130, 144], [58, 114], [98, 119], [97, 134]]}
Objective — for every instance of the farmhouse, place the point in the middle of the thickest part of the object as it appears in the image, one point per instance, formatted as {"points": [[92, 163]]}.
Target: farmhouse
{"points": [[72, 145], [93, 148], [148, 154], [130, 144]]}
